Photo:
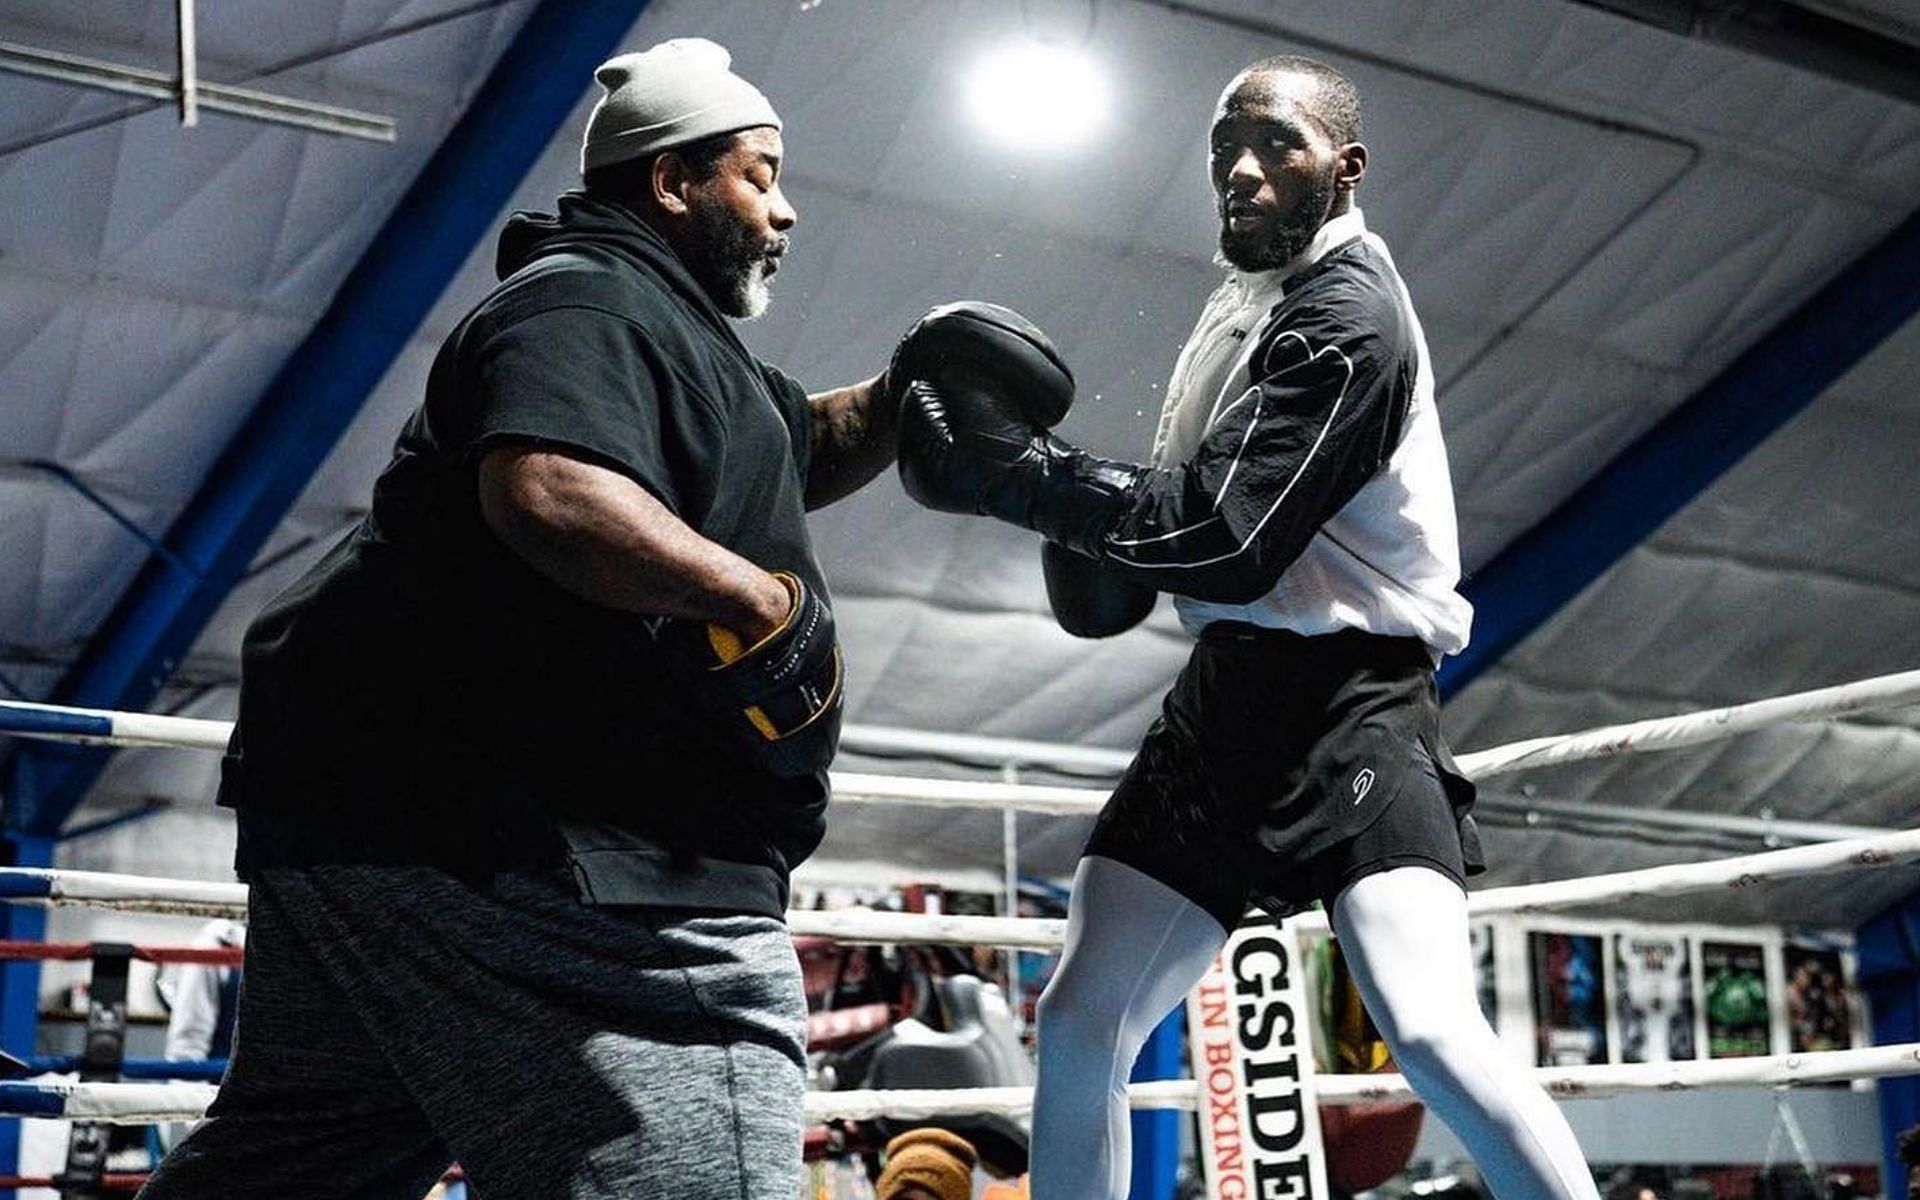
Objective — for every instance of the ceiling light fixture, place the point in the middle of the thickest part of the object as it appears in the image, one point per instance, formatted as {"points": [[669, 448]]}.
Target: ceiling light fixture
{"points": [[1037, 95]]}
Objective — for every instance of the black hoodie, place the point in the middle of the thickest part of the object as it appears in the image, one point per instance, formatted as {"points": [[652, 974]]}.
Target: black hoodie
{"points": [[424, 696]]}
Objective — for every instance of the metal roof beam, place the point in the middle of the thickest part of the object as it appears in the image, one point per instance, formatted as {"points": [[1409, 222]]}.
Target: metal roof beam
{"points": [[1888, 974], [193, 93], [320, 389], [1788, 33]]}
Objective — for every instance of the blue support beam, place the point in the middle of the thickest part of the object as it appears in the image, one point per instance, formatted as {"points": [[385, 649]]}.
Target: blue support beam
{"points": [[1676, 460], [1156, 1135], [322, 386], [1888, 972], [20, 981]]}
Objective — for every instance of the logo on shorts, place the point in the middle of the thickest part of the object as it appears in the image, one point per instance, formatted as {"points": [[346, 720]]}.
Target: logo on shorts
{"points": [[1362, 784]]}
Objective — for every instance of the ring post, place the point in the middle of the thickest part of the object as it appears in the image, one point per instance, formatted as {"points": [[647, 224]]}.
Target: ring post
{"points": [[1156, 1134], [20, 980], [1889, 974]]}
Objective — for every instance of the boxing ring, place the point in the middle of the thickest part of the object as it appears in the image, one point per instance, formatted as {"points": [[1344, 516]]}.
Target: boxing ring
{"points": [[149, 1102]]}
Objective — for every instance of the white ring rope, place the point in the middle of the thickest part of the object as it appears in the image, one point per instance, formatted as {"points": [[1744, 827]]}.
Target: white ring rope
{"points": [[112, 1103], [1573, 1083], [102, 727], [870, 926], [853, 788], [1693, 729], [1898, 849], [134, 893], [148, 1103], [53, 888]]}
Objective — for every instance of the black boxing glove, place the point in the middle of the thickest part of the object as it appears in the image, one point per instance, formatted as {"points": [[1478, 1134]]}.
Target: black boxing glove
{"points": [[967, 450], [778, 699], [985, 347], [1088, 599]]}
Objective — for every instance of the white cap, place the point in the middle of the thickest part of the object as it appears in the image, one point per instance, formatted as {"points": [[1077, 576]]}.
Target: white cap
{"points": [[677, 92]]}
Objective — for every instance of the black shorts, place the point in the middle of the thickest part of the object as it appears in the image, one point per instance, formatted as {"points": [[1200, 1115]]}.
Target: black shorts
{"points": [[1283, 768]]}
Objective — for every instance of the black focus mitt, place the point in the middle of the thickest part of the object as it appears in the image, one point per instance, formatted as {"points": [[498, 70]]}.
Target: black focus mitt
{"points": [[975, 345], [1088, 599], [779, 699]]}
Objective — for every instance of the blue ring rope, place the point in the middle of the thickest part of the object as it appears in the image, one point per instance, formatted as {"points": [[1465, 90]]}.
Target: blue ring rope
{"points": [[18, 718]]}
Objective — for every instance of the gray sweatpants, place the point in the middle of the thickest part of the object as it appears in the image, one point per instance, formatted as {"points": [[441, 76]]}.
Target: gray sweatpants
{"points": [[395, 1019]]}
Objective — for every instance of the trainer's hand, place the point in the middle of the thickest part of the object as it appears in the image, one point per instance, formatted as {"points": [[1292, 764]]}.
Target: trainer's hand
{"points": [[779, 696]]}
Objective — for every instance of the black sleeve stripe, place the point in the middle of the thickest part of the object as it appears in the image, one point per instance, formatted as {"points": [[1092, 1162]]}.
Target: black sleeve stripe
{"points": [[1333, 412], [1213, 517]]}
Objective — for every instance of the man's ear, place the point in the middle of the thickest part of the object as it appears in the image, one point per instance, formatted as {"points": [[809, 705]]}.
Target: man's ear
{"points": [[669, 181], [1352, 165]]}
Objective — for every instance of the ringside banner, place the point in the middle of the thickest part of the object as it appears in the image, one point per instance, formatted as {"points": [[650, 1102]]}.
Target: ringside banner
{"points": [[1247, 1030]]}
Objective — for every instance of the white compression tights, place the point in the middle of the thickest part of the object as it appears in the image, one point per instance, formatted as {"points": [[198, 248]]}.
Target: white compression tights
{"points": [[1135, 947]]}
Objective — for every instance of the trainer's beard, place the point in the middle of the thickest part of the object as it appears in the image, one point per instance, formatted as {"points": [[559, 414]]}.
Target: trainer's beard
{"points": [[1289, 237], [735, 261]]}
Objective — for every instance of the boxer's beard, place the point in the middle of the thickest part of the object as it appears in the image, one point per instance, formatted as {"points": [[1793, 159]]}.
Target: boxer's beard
{"points": [[1290, 233], [734, 261]]}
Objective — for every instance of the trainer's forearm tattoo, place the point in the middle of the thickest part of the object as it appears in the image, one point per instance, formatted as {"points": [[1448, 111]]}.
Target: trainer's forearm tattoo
{"points": [[854, 431]]}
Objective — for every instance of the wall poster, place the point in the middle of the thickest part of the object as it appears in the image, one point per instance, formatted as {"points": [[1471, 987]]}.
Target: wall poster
{"points": [[1653, 996], [1734, 985], [1569, 999]]}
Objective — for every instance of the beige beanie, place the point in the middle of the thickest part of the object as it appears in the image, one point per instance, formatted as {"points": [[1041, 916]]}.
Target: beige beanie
{"points": [[930, 1159], [677, 92]]}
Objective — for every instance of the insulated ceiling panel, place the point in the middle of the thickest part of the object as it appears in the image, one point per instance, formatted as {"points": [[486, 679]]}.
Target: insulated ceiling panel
{"points": [[1799, 569], [153, 278], [1594, 218]]}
